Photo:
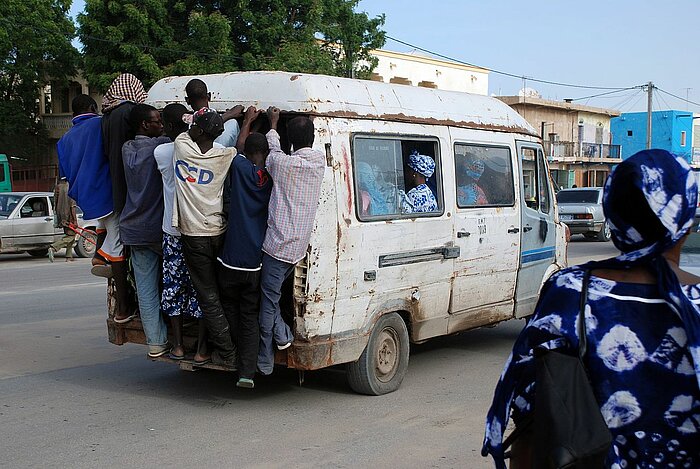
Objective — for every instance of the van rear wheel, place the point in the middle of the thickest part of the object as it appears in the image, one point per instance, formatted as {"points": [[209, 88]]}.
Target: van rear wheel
{"points": [[382, 365]]}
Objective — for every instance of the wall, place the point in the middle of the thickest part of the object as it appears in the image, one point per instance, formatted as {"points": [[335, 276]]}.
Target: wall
{"points": [[666, 128], [417, 70]]}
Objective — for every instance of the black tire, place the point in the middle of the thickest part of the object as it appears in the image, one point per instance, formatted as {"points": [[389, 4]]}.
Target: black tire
{"points": [[604, 234], [83, 247], [382, 365], [38, 252]]}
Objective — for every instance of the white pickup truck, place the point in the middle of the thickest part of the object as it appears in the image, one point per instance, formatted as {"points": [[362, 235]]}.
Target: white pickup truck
{"points": [[27, 224]]}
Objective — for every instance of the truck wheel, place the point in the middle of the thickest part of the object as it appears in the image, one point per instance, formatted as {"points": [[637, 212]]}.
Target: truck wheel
{"points": [[83, 247], [604, 234], [384, 361], [38, 252]]}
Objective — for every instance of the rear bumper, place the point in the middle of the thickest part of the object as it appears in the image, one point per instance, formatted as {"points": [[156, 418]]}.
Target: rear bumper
{"points": [[584, 226]]}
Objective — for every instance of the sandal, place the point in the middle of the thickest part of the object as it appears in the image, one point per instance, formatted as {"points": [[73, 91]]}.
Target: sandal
{"points": [[202, 362], [123, 320]]}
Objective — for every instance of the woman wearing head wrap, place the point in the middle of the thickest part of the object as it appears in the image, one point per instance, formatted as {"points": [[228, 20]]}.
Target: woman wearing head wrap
{"points": [[372, 197], [642, 324], [420, 198], [468, 190]]}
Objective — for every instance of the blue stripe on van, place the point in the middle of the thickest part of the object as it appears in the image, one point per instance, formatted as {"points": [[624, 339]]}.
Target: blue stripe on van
{"points": [[538, 254]]}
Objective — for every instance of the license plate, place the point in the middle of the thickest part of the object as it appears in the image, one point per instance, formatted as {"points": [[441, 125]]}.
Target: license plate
{"points": [[566, 217]]}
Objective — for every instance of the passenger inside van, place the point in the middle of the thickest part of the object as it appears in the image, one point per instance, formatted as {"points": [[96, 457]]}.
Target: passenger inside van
{"points": [[469, 171], [372, 194], [420, 198]]}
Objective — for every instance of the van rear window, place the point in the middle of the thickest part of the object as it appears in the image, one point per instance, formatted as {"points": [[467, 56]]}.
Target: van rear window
{"points": [[391, 183], [577, 197]]}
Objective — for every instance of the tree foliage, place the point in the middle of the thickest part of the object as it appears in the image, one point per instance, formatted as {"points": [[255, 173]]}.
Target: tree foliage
{"points": [[155, 38], [35, 39]]}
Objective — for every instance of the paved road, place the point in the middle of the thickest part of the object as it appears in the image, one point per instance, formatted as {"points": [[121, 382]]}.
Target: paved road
{"points": [[68, 398]]}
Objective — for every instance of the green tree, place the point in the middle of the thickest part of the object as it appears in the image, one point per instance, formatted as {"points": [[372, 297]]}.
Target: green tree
{"points": [[350, 36], [126, 36], [164, 37], [35, 39]]}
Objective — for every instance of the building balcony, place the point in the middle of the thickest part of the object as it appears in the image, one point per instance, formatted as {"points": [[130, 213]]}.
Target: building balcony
{"points": [[57, 124], [573, 152]]}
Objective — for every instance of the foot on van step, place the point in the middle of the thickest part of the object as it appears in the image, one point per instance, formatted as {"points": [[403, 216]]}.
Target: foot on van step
{"points": [[229, 361], [201, 359], [119, 320], [284, 346], [102, 270], [245, 383], [177, 353], [155, 351]]}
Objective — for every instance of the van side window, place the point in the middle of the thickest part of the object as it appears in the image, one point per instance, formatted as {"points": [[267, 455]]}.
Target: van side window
{"points": [[484, 176], [535, 180], [389, 180]]}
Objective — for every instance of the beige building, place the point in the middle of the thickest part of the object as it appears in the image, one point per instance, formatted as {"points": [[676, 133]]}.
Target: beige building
{"points": [[577, 138], [419, 70]]}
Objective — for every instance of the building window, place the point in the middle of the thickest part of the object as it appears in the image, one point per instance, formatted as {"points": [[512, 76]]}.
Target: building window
{"points": [[683, 138], [384, 186], [484, 176], [629, 133]]}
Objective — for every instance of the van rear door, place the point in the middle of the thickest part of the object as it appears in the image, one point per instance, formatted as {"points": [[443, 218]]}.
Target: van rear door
{"points": [[538, 237]]}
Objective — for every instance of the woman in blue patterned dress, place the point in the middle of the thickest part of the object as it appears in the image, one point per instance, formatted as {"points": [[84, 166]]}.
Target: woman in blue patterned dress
{"points": [[642, 325], [420, 198]]}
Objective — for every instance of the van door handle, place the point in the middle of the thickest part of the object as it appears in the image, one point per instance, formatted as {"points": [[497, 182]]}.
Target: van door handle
{"points": [[513, 230], [527, 228], [463, 234]]}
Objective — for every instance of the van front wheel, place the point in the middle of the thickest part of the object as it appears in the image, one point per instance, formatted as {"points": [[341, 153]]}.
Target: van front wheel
{"points": [[384, 361]]}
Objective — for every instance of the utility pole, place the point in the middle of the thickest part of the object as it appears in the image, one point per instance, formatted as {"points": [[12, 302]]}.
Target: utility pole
{"points": [[650, 90]]}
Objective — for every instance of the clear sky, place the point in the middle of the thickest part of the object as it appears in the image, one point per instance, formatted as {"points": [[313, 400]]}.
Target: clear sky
{"points": [[613, 43]]}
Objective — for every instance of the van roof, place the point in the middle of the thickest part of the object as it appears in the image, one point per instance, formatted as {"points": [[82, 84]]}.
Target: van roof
{"points": [[322, 95]]}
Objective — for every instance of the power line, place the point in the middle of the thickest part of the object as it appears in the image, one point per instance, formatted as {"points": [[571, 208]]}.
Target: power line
{"points": [[678, 97], [500, 72], [609, 92]]}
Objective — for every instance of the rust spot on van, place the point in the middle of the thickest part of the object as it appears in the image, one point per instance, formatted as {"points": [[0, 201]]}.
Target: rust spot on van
{"points": [[400, 117], [294, 77], [346, 167]]}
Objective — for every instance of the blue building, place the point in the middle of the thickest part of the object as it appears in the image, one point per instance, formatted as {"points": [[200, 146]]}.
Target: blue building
{"points": [[670, 130]]}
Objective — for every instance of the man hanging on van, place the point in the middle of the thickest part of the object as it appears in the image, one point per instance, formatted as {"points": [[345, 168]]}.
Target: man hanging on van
{"points": [[293, 203], [201, 168], [141, 219], [241, 256], [178, 297], [198, 97], [420, 198]]}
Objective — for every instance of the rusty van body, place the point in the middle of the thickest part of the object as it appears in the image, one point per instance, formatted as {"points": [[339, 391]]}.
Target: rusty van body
{"points": [[377, 276]]}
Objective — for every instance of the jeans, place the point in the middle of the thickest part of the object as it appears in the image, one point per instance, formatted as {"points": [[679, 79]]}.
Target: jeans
{"points": [[200, 256], [273, 329], [240, 297], [146, 264]]}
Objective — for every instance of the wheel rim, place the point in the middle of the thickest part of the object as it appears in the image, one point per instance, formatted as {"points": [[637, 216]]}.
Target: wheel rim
{"points": [[88, 247], [387, 358]]}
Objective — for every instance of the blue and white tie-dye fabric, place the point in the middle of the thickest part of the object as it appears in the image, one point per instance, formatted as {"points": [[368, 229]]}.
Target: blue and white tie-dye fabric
{"points": [[644, 340], [638, 362], [178, 296], [419, 199]]}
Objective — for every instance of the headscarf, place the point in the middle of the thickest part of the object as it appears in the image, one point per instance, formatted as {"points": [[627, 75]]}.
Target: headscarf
{"points": [[422, 164], [649, 202], [474, 169], [126, 87], [367, 181]]}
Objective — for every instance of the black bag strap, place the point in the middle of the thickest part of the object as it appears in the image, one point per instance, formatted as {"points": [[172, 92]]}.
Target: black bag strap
{"points": [[581, 328]]}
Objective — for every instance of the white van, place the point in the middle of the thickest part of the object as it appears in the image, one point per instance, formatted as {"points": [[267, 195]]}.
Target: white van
{"points": [[374, 278]]}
